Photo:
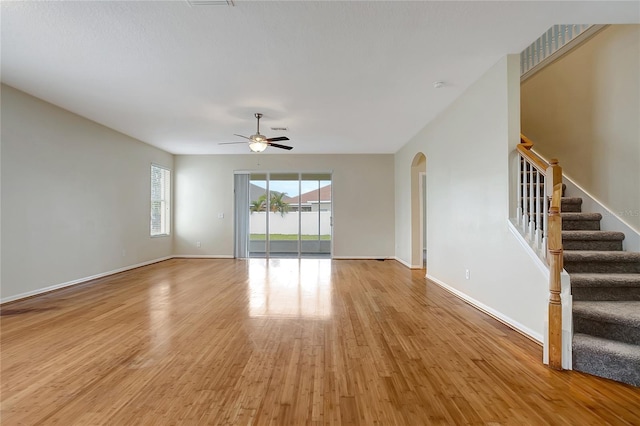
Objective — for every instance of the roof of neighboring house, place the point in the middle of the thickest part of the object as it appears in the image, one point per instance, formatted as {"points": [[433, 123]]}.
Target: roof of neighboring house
{"points": [[323, 194], [256, 192]]}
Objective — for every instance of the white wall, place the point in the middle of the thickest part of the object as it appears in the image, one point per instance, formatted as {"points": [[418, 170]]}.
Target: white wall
{"points": [[584, 109], [361, 183], [75, 197], [468, 149]]}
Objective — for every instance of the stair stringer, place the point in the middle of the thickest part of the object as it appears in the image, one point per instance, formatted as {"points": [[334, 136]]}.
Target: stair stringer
{"points": [[565, 294]]}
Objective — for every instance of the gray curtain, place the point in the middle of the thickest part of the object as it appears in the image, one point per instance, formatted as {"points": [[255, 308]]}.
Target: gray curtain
{"points": [[241, 215]]}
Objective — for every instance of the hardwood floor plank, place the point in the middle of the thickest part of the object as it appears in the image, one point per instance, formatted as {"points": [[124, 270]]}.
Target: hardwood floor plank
{"points": [[273, 342]]}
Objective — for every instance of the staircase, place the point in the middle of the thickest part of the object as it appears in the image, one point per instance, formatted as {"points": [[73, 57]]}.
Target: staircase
{"points": [[605, 284]]}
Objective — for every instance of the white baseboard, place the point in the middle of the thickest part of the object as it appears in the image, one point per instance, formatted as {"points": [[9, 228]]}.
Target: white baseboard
{"points": [[203, 256], [490, 311], [80, 280], [360, 257], [407, 264]]}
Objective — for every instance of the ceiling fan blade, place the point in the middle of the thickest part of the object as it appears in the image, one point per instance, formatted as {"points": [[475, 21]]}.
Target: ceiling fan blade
{"points": [[278, 139], [277, 145], [229, 143], [242, 136]]}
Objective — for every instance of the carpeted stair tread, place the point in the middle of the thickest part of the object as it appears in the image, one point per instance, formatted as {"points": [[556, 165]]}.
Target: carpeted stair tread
{"points": [[592, 240], [619, 320], [571, 200], [598, 261], [607, 358], [619, 312], [574, 200], [601, 256], [605, 280], [593, 235], [580, 216], [577, 221], [570, 204], [605, 286]]}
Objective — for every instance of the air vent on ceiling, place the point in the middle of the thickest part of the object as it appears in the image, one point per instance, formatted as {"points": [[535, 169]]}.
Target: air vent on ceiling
{"points": [[280, 129], [210, 2]]}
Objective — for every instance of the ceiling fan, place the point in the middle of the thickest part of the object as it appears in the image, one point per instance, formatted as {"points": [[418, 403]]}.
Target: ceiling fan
{"points": [[258, 142]]}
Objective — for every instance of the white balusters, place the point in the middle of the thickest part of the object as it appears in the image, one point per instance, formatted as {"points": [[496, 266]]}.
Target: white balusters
{"points": [[533, 205], [545, 219], [538, 201], [519, 197]]}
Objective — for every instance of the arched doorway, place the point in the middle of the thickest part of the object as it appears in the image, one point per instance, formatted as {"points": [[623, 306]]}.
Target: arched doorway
{"points": [[418, 211]]}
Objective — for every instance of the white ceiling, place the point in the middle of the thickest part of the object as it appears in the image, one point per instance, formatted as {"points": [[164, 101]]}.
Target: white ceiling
{"points": [[344, 77]]}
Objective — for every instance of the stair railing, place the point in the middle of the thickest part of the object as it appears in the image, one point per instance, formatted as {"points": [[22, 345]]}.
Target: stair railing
{"points": [[532, 211], [539, 193]]}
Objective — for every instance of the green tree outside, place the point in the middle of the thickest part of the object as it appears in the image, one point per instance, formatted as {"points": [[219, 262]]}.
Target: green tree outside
{"points": [[276, 204]]}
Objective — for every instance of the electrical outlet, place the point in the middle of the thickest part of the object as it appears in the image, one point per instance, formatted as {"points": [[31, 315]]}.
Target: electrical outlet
{"points": [[220, 215], [466, 273], [124, 252], [198, 244]]}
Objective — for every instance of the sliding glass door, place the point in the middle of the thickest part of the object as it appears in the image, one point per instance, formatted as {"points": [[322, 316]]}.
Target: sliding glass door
{"points": [[315, 215], [257, 219], [290, 215], [283, 221]]}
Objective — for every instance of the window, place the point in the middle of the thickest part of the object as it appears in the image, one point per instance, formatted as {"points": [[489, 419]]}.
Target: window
{"points": [[160, 200]]}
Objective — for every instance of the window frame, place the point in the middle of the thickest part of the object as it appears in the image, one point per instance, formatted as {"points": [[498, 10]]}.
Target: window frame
{"points": [[164, 199]]}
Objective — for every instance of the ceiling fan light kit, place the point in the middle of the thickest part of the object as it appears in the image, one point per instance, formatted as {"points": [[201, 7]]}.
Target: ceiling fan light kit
{"points": [[257, 146], [258, 142]]}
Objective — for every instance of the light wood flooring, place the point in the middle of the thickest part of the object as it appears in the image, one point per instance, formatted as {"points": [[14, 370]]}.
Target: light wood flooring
{"points": [[282, 342]]}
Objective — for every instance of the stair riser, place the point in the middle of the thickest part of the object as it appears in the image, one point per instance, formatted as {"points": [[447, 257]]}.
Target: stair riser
{"points": [[602, 267], [607, 366], [571, 207], [602, 245], [580, 225], [606, 330], [605, 293]]}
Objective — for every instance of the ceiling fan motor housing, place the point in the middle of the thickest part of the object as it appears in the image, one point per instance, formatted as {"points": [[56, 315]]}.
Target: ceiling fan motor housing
{"points": [[258, 142]]}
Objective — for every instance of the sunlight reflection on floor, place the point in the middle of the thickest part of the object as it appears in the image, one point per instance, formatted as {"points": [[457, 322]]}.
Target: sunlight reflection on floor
{"points": [[298, 288], [159, 318]]}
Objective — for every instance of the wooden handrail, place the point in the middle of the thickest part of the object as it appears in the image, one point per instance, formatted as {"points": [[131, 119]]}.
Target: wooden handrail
{"points": [[553, 175], [524, 147]]}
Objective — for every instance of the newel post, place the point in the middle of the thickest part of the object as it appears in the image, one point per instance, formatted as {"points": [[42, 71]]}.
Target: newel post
{"points": [[555, 259]]}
